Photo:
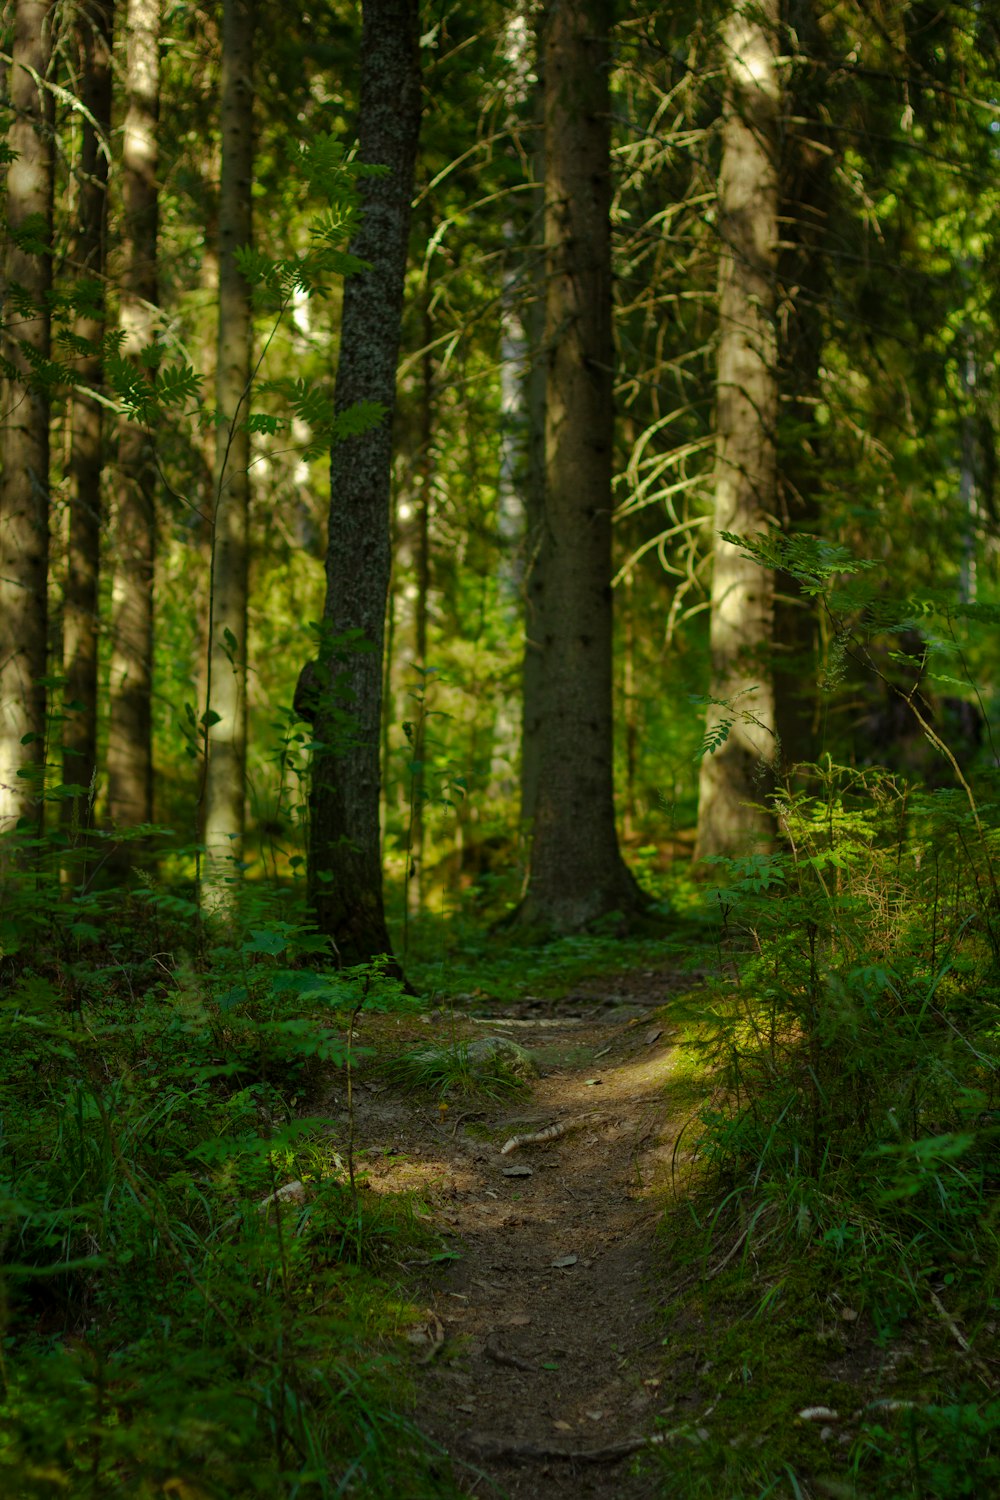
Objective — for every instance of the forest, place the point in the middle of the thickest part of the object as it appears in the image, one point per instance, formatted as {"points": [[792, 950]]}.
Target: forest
{"points": [[499, 812]]}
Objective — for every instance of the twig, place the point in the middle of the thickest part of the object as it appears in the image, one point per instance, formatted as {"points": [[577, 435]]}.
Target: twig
{"points": [[550, 1133], [437, 1343], [950, 1324]]}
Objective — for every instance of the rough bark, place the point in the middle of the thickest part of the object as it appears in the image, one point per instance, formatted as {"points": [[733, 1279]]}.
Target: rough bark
{"points": [[130, 732], [24, 485], [345, 870], [577, 873], [81, 601], [225, 772], [736, 778]]}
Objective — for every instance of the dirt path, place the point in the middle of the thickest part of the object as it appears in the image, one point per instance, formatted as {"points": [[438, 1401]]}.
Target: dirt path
{"points": [[542, 1339]]}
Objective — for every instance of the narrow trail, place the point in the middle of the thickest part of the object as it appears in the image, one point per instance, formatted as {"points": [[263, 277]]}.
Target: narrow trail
{"points": [[538, 1366]]}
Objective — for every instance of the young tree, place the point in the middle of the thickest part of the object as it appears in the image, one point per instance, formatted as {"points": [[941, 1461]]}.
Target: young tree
{"points": [[577, 872], [345, 871], [130, 732], [736, 776], [88, 255], [225, 771], [24, 484]]}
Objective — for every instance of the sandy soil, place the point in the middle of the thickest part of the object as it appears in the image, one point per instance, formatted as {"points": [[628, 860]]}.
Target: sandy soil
{"points": [[538, 1365]]}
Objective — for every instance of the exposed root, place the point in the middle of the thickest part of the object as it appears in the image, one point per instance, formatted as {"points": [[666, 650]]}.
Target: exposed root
{"points": [[491, 1447], [500, 1357]]}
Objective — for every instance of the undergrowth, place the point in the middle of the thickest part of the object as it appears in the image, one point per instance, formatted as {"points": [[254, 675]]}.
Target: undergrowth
{"points": [[848, 1152], [196, 1282]]}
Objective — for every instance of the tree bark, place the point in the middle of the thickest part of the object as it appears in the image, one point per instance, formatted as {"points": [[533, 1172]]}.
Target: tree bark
{"points": [[130, 732], [81, 601], [345, 870], [577, 873], [24, 485], [737, 777], [226, 706], [535, 381], [421, 609]]}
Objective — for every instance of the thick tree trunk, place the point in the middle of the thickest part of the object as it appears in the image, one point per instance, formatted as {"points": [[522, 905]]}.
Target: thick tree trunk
{"points": [[81, 602], [737, 777], [130, 732], [225, 771], [577, 873], [345, 868], [24, 485]]}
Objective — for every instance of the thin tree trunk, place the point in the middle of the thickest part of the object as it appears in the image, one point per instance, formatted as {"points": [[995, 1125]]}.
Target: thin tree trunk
{"points": [[345, 869], [81, 601], [737, 777], [577, 873], [422, 561], [130, 732], [535, 380], [226, 706], [24, 485]]}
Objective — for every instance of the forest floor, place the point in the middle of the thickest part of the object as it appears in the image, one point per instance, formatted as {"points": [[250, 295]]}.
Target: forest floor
{"points": [[574, 1330], [539, 1362]]}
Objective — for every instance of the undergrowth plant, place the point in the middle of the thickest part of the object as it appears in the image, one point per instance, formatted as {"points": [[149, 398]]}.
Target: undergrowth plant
{"points": [[191, 1282]]}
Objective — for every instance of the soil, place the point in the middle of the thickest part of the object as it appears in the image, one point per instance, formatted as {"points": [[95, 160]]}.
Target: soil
{"points": [[538, 1364]]}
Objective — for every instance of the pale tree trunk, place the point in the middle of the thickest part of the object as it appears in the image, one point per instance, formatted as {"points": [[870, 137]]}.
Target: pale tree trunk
{"points": [[577, 873], [24, 485], [225, 771], [81, 602], [737, 778], [130, 730], [345, 869]]}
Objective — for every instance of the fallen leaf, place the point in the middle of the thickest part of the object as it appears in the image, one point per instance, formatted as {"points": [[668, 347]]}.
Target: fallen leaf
{"points": [[596, 1416], [518, 1320], [563, 1262], [466, 1406], [592, 1082], [517, 1171], [550, 1366], [849, 1314], [653, 1036], [563, 1426], [819, 1414]]}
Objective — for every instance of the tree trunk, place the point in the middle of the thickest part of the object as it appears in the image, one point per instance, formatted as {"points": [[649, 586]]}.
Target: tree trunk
{"points": [[130, 733], [577, 873], [24, 486], [535, 380], [345, 869], [81, 602], [422, 565], [226, 706], [737, 777]]}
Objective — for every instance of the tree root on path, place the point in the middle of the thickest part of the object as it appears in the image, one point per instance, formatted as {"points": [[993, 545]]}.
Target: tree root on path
{"points": [[490, 1447], [501, 1357]]}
